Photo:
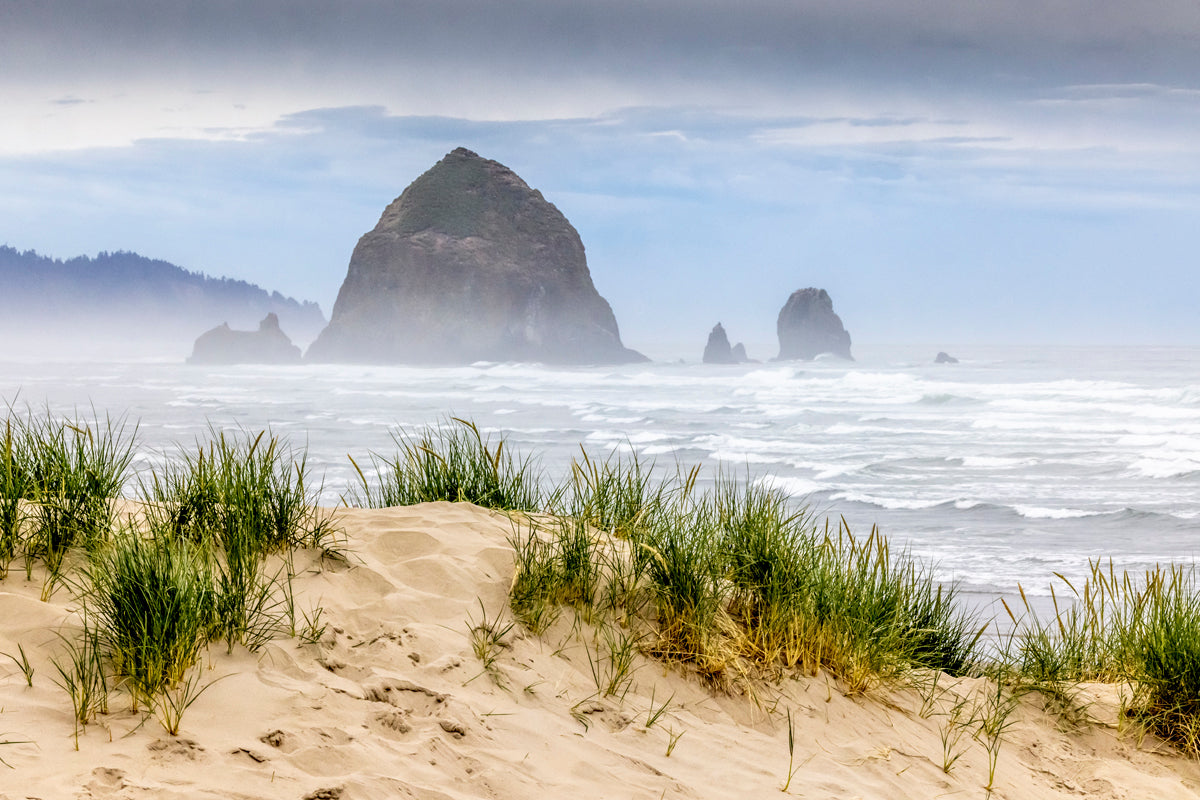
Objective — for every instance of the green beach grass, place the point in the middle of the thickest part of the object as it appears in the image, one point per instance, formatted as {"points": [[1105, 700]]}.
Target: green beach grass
{"points": [[733, 583], [450, 461], [206, 556]]}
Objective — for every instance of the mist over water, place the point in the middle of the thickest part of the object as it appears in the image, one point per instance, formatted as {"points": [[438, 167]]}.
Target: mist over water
{"points": [[1006, 468]]}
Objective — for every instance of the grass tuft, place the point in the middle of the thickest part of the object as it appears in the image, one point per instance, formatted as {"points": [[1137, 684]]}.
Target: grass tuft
{"points": [[151, 601], [454, 462], [255, 488], [59, 479]]}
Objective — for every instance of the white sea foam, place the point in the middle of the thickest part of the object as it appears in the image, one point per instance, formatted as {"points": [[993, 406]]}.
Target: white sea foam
{"points": [[1166, 467], [798, 488], [995, 462], [908, 503], [1035, 512]]}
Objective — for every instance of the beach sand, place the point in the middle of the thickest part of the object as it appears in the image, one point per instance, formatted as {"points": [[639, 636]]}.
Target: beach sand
{"points": [[393, 703]]}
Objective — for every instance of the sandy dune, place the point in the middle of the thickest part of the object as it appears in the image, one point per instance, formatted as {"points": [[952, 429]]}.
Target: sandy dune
{"points": [[392, 703]]}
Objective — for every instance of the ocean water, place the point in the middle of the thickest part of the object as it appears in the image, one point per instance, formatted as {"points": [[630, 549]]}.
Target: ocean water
{"points": [[1009, 467]]}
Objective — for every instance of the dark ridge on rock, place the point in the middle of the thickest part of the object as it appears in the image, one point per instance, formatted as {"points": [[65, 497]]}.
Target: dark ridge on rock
{"points": [[470, 264], [808, 327], [267, 345], [945, 358], [717, 350], [126, 297]]}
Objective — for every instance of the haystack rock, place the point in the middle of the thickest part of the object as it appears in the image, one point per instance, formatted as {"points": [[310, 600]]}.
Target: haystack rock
{"points": [[808, 327], [223, 345], [470, 264]]}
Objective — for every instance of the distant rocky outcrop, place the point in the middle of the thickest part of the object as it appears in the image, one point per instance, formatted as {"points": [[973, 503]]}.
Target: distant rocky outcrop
{"points": [[122, 303], [945, 358], [470, 264], [808, 327], [267, 345], [718, 351]]}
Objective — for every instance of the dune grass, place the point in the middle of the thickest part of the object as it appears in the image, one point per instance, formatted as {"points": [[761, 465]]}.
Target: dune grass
{"points": [[450, 461], [255, 488], [59, 480], [1159, 642], [735, 579], [618, 494], [15, 490], [151, 601], [154, 589], [76, 470], [243, 497], [1140, 632]]}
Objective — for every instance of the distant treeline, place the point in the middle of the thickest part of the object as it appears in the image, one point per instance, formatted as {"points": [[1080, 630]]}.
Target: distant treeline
{"points": [[121, 293]]}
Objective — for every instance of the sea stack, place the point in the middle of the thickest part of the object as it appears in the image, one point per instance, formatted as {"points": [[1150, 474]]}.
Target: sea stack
{"points": [[470, 264], [718, 351], [223, 345], [808, 327]]}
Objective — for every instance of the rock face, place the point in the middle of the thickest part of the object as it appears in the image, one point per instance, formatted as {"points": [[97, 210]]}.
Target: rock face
{"points": [[470, 264], [739, 354], [808, 327], [223, 345], [945, 358]]}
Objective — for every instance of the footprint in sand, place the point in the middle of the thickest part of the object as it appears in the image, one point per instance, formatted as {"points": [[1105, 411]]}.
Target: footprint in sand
{"points": [[412, 704], [175, 748], [402, 694], [105, 781], [393, 720], [280, 740]]}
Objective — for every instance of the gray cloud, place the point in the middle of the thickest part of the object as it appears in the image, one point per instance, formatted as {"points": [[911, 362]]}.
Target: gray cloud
{"points": [[934, 42]]}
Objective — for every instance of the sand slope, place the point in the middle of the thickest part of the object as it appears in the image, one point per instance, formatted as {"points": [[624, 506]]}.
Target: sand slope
{"points": [[392, 704]]}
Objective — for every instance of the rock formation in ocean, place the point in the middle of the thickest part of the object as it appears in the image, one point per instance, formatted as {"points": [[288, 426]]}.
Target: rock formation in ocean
{"points": [[267, 345], [808, 327], [470, 264], [945, 358], [717, 350]]}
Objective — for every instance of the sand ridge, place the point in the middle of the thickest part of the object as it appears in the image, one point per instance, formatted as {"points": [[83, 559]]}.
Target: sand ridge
{"points": [[393, 703]]}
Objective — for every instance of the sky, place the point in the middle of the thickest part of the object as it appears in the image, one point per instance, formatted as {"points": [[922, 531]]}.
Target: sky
{"points": [[953, 172]]}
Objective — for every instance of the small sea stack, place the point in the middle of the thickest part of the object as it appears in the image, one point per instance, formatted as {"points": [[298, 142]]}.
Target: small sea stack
{"points": [[224, 345], [718, 351], [944, 358], [808, 327]]}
